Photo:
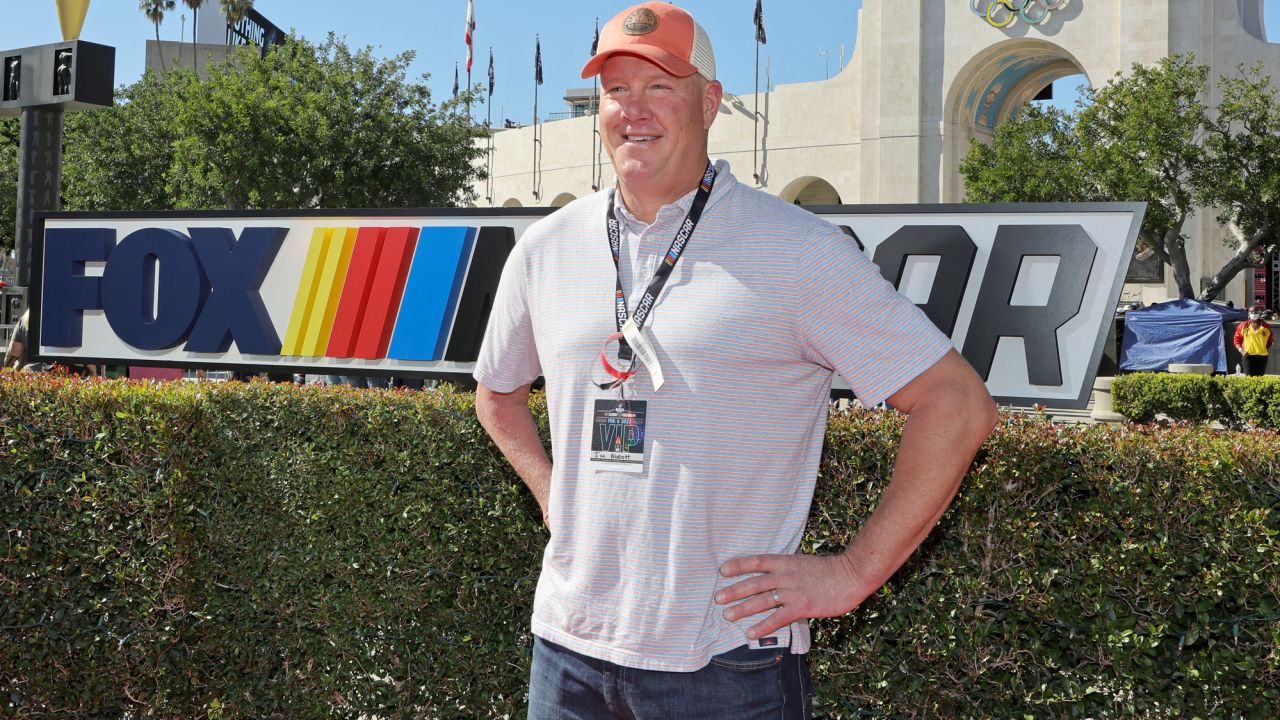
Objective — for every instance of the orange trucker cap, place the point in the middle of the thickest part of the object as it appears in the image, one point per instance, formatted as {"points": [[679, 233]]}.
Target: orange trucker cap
{"points": [[661, 33]]}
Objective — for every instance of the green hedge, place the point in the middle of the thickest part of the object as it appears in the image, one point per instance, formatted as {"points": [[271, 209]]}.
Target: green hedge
{"points": [[1233, 400], [262, 551]]}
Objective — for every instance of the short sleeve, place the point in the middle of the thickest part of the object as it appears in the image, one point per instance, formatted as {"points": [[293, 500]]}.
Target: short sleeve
{"points": [[854, 322], [509, 356]]}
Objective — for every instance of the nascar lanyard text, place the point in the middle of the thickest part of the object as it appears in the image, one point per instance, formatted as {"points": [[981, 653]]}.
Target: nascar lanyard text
{"points": [[663, 273]]}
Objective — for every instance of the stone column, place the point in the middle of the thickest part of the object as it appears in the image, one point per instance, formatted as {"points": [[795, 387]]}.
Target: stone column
{"points": [[1104, 409], [39, 178], [895, 58]]}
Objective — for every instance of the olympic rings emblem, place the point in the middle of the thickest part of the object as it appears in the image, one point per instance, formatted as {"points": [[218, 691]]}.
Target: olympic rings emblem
{"points": [[1004, 13]]}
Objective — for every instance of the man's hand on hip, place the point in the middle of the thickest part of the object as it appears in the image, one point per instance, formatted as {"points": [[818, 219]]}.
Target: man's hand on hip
{"points": [[950, 414], [799, 586]]}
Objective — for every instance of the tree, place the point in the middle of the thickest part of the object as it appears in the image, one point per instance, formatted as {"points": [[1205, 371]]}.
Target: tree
{"points": [[1242, 174], [1144, 140], [318, 126], [121, 158], [1141, 137], [235, 10], [1037, 158], [194, 7], [155, 10], [9, 138], [306, 126]]}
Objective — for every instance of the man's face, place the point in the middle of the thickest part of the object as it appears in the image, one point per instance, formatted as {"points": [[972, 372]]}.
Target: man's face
{"points": [[654, 125]]}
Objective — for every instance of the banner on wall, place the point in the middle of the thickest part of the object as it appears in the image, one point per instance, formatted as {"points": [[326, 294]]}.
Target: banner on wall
{"points": [[1026, 292]]}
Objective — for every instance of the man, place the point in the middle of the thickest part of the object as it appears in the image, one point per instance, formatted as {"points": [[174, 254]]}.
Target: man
{"points": [[15, 356], [1253, 339], [686, 449]]}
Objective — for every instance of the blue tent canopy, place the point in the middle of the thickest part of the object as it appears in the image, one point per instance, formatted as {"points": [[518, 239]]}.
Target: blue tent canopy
{"points": [[1178, 331]]}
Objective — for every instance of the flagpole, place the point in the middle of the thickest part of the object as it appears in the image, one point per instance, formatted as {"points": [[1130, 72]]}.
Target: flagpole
{"points": [[755, 118], [535, 141], [488, 123], [502, 115], [488, 155], [768, 88], [535, 120], [470, 38], [594, 104], [595, 132]]}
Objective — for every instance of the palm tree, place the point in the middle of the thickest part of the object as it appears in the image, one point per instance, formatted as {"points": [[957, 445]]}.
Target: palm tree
{"points": [[194, 6], [155, 10], [235, 10]]}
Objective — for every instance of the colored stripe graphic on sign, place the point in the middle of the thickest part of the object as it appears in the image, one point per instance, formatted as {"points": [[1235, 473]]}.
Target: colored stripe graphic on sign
{"points": [[431, 293], [316, 302], [355, 292], [493, 245], [375, 282], [371, 295], [388, 289], [306, 294]]}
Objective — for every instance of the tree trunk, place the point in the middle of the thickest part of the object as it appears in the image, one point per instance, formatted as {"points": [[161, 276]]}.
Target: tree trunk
{"points": [[160, 50], [1176, 249], [1147, 238], [1239, 261]]}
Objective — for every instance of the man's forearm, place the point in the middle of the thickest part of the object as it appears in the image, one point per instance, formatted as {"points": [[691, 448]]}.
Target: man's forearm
{"points": [[506, 417], [942, 434], [951, 413]]}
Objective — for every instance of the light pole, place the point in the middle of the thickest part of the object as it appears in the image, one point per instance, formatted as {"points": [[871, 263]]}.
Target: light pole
{"points": [[40, 84], [826, 66]]}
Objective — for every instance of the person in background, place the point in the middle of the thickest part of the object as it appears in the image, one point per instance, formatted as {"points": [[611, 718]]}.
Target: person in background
{"points": [[17, 355], [1253, 339]]}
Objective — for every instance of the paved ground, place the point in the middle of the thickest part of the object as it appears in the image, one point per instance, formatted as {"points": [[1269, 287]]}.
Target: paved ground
{"points": [[1058, 415]]}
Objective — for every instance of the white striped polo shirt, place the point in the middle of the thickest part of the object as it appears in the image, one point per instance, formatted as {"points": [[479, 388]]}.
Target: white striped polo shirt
{"points": [[766, 302]]}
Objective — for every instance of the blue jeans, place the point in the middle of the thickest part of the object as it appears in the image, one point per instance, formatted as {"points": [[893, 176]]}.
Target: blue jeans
{"points": [[742, 684]]}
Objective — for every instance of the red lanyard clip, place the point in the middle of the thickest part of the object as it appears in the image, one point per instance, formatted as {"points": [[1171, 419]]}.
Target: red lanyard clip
{"points": [[620, 376]]}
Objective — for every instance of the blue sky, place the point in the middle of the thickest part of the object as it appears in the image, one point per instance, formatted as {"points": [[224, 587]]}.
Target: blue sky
{"points": [[798, 33], [434, 29]]}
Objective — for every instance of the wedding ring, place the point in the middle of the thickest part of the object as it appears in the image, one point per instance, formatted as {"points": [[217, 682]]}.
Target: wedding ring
{"points": [[776, 598]]}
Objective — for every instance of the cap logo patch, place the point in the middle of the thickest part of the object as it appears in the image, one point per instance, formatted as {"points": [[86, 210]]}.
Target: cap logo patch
{"points": [[640, 22]]}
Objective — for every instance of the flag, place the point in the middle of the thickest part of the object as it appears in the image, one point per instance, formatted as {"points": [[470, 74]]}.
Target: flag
{"points": [[471, 29], [537, 60], [595, 42], [759, 19], [455, 79], [490, 72]]}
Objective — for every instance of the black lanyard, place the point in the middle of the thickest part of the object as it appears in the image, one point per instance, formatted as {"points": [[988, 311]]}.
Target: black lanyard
{"points": [[663, 273]]}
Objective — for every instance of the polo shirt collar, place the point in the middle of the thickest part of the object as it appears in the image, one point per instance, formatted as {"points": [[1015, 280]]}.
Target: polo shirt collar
{"points": [[724, 183]]}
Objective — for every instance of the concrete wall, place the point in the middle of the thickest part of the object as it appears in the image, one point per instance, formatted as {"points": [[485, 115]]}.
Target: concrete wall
{"points": [[892, 126], [804, 132], [179, 54]]}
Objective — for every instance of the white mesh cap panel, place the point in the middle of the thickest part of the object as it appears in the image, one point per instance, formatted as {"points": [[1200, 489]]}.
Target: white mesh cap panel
{"points": [[702, 56]]}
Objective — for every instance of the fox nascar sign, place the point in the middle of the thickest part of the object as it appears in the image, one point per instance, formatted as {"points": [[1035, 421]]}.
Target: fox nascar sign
{"points": [[1026, 292]]}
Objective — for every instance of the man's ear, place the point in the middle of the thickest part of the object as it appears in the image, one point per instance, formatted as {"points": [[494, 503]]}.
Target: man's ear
{"points": [[712, 95]]}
